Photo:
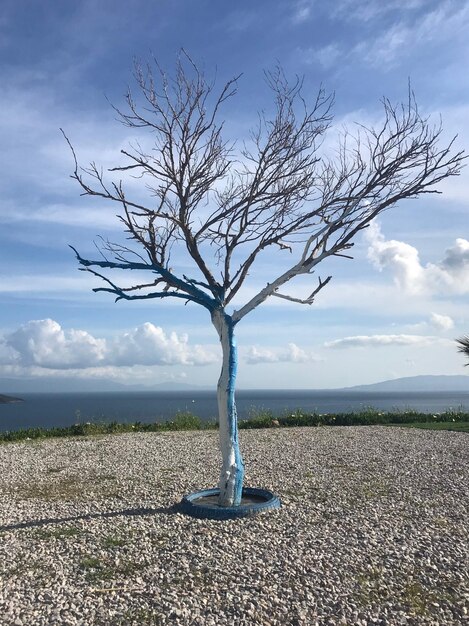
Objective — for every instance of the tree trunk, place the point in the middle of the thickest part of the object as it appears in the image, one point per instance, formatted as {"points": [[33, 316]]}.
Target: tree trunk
{"points": [[232, 471]]}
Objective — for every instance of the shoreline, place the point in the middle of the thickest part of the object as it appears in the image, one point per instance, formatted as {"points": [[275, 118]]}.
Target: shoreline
{"points": [[187, 421]]}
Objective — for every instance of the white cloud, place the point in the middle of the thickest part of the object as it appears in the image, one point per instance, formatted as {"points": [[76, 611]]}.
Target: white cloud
{"points": [[365, 341], [302, 11], [98, 218], [367, 10], [35, 148], [241, 20], [47, 284], [7, 354], [401, 257], [150, 345], [292, 354], [441, 322], [416, 28], [261, 355], [436, 321], [455, 118], [326, 56], [138, 374], [451, 274], [355, 10], [446, 22], [45, 344]]}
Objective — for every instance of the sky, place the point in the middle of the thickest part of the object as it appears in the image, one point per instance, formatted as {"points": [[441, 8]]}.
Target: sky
{"points": [[393, 311]]}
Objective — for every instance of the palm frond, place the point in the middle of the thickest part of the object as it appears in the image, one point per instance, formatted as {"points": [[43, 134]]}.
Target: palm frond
{"points": [[463, 346]]}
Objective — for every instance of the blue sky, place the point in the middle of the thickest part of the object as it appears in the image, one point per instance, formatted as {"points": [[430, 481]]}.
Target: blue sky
{"points": [[392, 311]]}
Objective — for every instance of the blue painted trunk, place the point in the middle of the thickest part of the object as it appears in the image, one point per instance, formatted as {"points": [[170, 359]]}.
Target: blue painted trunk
{"points": [[232, 472]]}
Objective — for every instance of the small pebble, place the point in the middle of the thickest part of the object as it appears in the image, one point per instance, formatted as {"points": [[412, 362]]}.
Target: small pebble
{"points": [[373, 530]]}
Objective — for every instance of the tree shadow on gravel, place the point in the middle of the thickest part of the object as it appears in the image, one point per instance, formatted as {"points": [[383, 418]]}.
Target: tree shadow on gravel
{"points": [[171, 510]]}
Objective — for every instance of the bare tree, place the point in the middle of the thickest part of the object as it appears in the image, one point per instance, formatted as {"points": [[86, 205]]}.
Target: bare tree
{"points": [[224, 206], [463, 346]]}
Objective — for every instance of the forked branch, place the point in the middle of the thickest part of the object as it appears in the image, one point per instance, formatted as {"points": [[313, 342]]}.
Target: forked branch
{"points": [[310, 298]]}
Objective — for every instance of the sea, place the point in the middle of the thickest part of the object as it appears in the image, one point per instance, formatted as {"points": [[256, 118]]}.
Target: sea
{"points": [[48, 410]]}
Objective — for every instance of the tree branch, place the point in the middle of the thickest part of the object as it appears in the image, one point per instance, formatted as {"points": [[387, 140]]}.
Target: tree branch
{"points": [[219, 208], [310, 298], [191, 292]]}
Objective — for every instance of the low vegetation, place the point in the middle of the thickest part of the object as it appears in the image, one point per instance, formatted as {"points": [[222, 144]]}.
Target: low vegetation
{"points": [[451, 419], [367, 417]]}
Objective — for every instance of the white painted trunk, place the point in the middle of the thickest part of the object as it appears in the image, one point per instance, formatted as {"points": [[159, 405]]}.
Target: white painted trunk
{"points": [[232, 471]]}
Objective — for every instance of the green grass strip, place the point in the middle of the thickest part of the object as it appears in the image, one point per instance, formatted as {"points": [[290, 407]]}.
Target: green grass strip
{"points": [[451, 419]]}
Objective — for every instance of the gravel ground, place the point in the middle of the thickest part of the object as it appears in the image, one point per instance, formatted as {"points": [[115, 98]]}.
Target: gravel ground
{"points": [[373, 530]]}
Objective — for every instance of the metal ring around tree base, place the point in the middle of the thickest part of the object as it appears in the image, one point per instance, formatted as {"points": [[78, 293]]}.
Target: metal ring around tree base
{"points": [[204, 504]]}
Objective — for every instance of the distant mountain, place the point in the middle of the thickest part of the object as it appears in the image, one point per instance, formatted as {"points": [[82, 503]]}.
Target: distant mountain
{"points": [[78, 385], [171, 386], [18, 386], [418, 384], [52, 385]]}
